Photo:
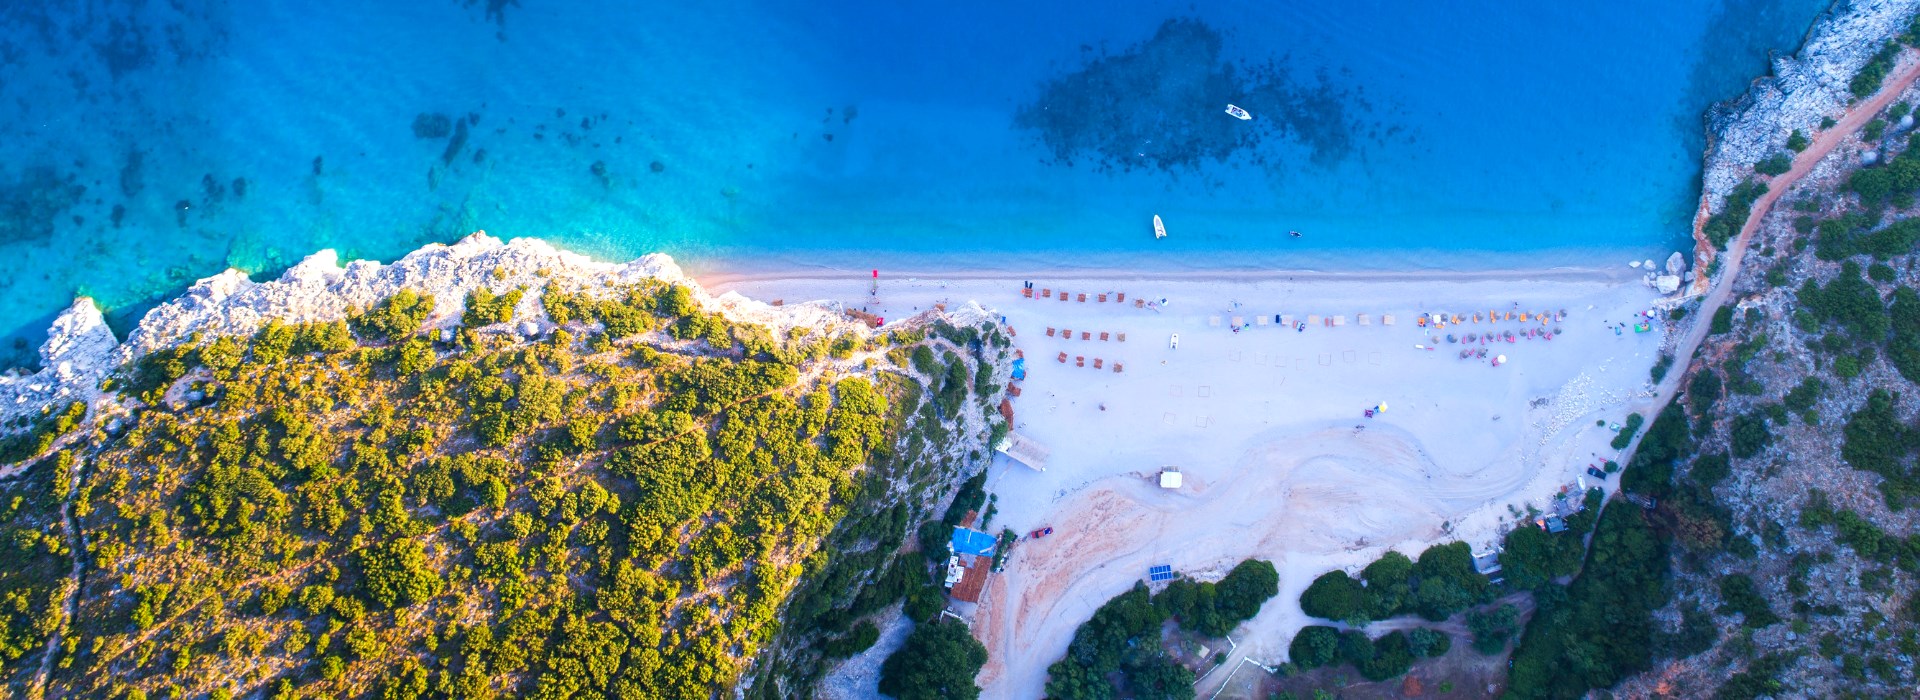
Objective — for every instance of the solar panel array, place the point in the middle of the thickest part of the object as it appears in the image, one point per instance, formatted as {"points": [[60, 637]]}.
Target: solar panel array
{"points": [[1160, 573]]}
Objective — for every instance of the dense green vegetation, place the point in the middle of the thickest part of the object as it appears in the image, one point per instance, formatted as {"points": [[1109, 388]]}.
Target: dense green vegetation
{"points": [[1723, 226], [1376, 659], [938, 662], [606, 513], [1441, 583], [1867, 81], [1123, 636], [1877, 441], [1600, 629]]}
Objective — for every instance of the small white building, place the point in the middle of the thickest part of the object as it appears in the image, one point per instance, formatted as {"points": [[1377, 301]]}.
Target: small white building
{"points": [[1170, 478]]}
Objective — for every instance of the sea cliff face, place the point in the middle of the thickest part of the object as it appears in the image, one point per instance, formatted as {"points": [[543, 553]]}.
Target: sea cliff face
{"points": [[80, 351], [1805, 87]]}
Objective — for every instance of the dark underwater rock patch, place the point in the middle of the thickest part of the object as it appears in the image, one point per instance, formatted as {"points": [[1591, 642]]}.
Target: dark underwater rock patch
{"points": [[31, 204], [432, 125], [1160, 104]]}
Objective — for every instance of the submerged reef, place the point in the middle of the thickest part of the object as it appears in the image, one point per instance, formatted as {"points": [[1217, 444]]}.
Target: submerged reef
{"points": [[32, 203], [1160, 104]]}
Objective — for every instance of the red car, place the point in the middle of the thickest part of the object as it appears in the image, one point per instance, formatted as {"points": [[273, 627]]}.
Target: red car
{"points": [[1042, 532]]}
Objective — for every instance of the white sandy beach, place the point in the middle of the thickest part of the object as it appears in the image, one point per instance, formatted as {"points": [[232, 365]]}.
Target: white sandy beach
{"points": [[1267, 425]]}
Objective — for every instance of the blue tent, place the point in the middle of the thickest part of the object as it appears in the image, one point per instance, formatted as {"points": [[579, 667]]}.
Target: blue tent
{"points": [[972, 542]]}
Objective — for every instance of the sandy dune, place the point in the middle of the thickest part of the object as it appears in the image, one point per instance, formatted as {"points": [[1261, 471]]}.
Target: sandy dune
{"points": [[1267, 426]]}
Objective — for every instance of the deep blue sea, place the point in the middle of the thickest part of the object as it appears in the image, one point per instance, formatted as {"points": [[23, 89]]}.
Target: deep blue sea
{"points": [[147, 144]]}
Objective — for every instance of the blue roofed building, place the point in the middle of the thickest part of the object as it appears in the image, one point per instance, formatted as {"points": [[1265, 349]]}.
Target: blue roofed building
{"points": [[972, 542]]}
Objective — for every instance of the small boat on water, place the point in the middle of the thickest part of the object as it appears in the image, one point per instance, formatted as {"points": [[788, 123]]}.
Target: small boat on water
{"points": [[1238, 113], [1159, 229]]}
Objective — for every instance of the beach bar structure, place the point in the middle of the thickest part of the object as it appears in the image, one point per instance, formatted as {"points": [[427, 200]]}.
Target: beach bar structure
{"points": [[969, 560], [1024, 450]]}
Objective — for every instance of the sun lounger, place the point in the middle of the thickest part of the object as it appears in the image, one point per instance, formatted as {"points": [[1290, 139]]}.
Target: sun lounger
{"points": [[1083, 298], [1139, 303], [1260, 320], [1213, 321], [1049, 331], [1339, 321], [1364, 320], [1102, 299], [1084, 335], [1013, 389], [1386, 319], [1122, 299], [1239, 322], [1026, 292], [1066, 334], [1079, 360], [1313, 319], [1064, 295], [1062, 358], [1046, 292], [1116, 368], [1097, 362], [1103, 335], [1122, 338], [1286, 320]]}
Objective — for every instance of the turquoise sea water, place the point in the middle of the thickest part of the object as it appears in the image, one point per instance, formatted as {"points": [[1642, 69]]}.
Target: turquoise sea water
{"points": [[149, 144]]}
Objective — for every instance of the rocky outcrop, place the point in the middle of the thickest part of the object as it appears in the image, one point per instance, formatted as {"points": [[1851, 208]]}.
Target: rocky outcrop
{"points": [[80, 351], [1805, 87], [78, 354]]}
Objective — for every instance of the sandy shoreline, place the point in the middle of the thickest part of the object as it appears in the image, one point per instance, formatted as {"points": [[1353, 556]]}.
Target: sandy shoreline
{"points": [[1267, 424], [720, 281]]}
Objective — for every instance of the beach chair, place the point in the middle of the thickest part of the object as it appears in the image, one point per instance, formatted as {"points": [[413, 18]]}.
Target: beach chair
{"points": [[1286, 320], [1122, 338], [1260, 320], [1213, 321], [1079, 360], [1139, 303], [1046, 292], [1084, 335], [1122, 299], [1064, 295], [1013, 390], [1386, 319], [1062, 358], [1103, 336], [1103, 298], [1097, 362], [1338, 321], [1083, 298], [1313, 319], [1026, 292], [1049, 331], [1116, 368], [1239, 322], [1364, 320], [1066, 334]]}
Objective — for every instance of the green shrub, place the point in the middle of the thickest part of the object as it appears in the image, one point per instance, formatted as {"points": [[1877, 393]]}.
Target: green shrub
{"points": [[1749, 435], [1492, 628], [484, 308], [1797, 141], [938, 661], [1722, 321], [1627, 431], [1775, 164], [1868, 80], [395, 318]]}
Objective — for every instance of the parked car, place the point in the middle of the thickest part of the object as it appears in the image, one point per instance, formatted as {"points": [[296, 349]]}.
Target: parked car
{"points": [[1597, 474], [1042, 532], [1173, 343]]}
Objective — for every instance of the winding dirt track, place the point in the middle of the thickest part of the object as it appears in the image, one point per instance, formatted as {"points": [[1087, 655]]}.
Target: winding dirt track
{"points": [[1823, 144]]}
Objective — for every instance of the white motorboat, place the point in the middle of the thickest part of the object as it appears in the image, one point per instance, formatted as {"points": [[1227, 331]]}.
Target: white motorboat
{"points": [[1238, 113], [1159, 229]]}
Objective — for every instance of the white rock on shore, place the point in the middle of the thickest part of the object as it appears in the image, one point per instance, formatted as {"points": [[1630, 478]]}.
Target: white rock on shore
{"points": [[80, 351], [1805, 87]]}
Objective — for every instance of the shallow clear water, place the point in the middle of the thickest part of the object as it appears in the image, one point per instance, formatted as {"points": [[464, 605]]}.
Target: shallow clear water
{"points": [[738, 133]]}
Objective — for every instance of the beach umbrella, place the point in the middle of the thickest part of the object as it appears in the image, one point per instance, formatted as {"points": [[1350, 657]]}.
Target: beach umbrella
{"points": [[1500, 358]]}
